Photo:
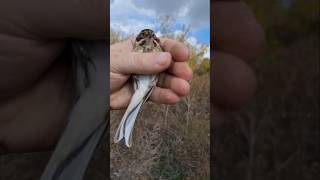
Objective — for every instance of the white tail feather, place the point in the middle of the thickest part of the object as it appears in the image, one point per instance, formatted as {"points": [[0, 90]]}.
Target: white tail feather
{"points": [[127, 122]]}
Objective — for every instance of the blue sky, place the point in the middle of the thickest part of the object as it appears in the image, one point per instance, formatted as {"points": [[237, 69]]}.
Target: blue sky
{"points": [[131, 16]]}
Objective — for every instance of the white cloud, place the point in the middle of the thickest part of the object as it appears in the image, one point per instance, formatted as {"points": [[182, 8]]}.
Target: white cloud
{"points": [[125, 8], [199, 13], [195, 13], [163, 7], [130, 26], [193, 41], [158, 34], [207, 54], [129, 17], [178, 33]]}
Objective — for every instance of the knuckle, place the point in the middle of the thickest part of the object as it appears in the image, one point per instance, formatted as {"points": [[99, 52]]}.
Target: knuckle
{"points": [[138, 60]]}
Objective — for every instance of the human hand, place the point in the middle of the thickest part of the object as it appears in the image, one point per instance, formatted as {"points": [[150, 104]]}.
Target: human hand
{"points": [[239, 39], [36, 86], [171, 64]]}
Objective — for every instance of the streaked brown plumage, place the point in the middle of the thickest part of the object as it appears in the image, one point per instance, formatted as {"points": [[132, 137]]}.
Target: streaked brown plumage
{"points": [[143, 85]]}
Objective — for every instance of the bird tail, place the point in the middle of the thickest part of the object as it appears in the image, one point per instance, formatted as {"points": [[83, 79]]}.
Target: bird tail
{"points": [[127, 122]]}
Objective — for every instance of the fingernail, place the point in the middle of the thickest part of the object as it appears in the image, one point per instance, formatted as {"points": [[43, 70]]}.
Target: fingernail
{"points": [[162, 59]]}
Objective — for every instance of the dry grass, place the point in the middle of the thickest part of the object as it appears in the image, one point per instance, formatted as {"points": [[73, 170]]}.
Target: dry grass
{"points": [[169, 142], [277, 136]]}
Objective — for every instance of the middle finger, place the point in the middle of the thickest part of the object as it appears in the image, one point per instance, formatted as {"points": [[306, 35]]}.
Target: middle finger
{"points": [[179, 86], [181, 70]]}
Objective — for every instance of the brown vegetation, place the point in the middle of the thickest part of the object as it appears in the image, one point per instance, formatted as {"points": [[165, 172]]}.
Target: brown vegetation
{"points": [[170, 142]]}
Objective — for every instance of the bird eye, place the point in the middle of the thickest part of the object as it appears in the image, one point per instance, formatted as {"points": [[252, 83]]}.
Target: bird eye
{"points": [[143, 42], [139, 37]]}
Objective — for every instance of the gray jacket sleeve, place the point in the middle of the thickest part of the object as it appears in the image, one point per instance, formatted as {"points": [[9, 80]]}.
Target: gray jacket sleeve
{"points": [[88, 119]]}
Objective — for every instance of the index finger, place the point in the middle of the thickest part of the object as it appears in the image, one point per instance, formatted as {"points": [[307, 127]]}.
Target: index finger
{"points": [[178, 50]]}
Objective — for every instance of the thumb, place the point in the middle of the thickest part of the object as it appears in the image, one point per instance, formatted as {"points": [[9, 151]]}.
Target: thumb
{"points": [[146, 63]]}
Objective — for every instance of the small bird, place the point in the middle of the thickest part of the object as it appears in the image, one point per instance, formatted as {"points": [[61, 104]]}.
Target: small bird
{"points": [[143, 85]]}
